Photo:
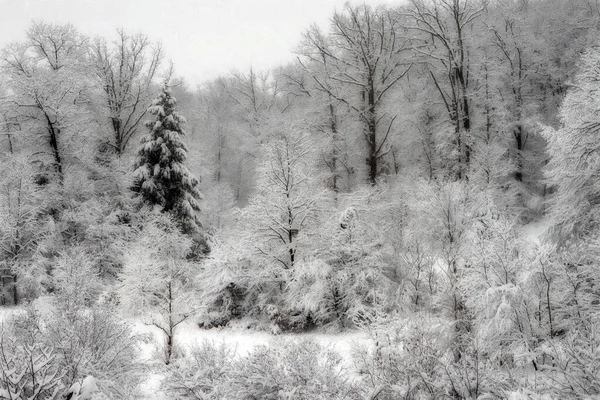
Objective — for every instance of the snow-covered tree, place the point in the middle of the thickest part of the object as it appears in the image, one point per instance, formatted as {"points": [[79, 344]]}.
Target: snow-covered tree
{"points": [[272, 234], [348, 284], [156, 279], [48, 90], [362, 63], [161, 177], [446, 28], [125, 72], [21, 227], [28, 370], [286, 201], [573, 149]]}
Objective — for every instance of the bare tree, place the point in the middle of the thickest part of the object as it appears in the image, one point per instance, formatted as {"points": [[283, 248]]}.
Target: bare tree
{"points": [[256, 93], [125, 70], [363, 62], [317, 56], [444, 24], [507, 37], [47, 88]]}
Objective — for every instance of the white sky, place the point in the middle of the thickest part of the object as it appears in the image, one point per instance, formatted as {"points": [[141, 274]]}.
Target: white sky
{"points": [[204, 38]]}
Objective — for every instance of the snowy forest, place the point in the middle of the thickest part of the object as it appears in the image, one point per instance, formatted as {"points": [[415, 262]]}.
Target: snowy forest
{"points": [[408, 210]]}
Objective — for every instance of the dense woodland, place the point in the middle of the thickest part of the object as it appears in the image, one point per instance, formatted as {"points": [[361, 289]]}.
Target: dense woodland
{"points": [[387, 180]]}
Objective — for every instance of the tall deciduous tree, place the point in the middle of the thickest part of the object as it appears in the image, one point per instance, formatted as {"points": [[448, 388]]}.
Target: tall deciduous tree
{"points": [[125, 72], [364, 54], [47, 87], [161, 177], [285, 201], [445, 25]]}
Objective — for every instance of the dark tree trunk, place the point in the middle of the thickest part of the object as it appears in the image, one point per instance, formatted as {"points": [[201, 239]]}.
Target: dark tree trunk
{"points": [[15, 292], [116, 123], [54, 132], [371, 134], [334, 139]]}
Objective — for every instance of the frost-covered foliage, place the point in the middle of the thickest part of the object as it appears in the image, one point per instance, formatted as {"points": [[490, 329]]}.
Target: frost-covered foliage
{"points": [[348, 283], [56, 348], [28, 370], [22, 228], [164, 297], [161, 177], [342, 273], [94, 342], [574, 163], [282, 371], [575, 368], [204, 374], [405, 360], [75, 278], [413, 358], [272, 236], [285, 205]]}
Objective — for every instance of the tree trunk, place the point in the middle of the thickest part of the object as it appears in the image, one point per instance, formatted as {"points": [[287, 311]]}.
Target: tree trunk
{"points": [[334, 153], [372, 134], [15, 293], [170, 333], [116, 123], [54, 131]]}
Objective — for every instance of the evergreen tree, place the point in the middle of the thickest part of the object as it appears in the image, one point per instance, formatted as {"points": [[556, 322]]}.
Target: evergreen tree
{"points": [[160, 177]]}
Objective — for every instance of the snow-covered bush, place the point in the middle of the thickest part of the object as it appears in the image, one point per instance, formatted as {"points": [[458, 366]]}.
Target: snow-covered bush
{"points": [[96, 342], [203, 374], [44, 353], [280, 371], [225, 279], [414, 357], [575, 368], [405, 362], [287, 371], [81, 342], [28, 368], [349, 281]]}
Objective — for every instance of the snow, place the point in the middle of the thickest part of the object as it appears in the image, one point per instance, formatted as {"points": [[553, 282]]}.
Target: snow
{"points": [[188, 334], [534, 232], [7, 312]]}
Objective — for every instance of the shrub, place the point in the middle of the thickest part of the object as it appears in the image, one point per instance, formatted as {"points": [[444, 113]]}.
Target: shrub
{"points": [[282, 371]]}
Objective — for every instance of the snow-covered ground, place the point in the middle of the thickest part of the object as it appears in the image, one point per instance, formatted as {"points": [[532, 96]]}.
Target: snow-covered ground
{"points": [[535, 231], [188, 334], [8, 312]]}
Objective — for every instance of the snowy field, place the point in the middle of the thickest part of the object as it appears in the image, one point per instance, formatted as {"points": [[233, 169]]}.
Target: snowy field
{"points": [[244, 341]]}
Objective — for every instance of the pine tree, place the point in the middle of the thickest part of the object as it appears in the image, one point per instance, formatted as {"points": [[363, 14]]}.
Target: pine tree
{"points": [[160, 177]]}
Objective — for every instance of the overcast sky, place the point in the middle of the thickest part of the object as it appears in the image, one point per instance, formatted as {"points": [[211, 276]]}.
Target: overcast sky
{"points": [[204, 38]]}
